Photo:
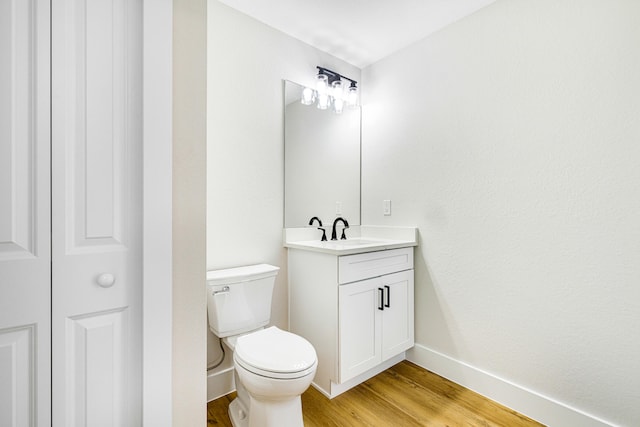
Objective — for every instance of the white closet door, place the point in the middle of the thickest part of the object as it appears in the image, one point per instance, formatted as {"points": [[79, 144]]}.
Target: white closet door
{"points": [[25, 259], [96, 212]]}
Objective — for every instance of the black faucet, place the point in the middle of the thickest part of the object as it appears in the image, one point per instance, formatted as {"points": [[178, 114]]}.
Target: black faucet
{"points": [[333, 231], [324, 234]]}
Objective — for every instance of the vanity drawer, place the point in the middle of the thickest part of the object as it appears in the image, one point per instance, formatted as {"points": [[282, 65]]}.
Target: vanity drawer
{"points": [[352, 268]]}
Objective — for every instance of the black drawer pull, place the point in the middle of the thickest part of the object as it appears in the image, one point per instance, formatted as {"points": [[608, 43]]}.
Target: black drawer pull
{"points": [[380, 299], [388, 304]]}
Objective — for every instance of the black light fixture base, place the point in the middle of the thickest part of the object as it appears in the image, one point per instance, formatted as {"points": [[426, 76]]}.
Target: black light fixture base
{"points": [[332, 76]]}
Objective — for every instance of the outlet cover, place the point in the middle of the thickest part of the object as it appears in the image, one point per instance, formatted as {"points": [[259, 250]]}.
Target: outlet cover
{"points": [[386, 207]]}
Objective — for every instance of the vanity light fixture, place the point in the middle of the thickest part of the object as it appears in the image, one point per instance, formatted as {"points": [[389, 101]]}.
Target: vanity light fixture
{"points": [[330, 91]]}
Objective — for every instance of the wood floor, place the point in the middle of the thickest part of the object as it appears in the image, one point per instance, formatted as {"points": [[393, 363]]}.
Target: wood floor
{"points": [[402, 396]]}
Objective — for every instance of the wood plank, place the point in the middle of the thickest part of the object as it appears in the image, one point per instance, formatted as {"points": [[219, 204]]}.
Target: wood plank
{"points": [[217, 414], [404, 395], [468, 403]]}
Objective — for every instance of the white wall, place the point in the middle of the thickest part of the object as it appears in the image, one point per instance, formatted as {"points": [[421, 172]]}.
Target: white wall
{"points": [[247, 62], [188, 214], [512, 139]]}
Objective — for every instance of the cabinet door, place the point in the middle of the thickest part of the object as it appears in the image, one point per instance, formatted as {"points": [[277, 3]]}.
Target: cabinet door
{"points": [[360, 327], [397, 317]]}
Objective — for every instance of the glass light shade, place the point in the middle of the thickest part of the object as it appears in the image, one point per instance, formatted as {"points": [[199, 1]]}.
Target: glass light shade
{"points": [[352, 96], [337, 89], [322, 84], [323, 101], [338, 105], [308, 96]]}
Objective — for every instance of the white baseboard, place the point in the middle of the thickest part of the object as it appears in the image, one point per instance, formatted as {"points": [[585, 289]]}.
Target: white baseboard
{"points": [[534, 405], [221, 380], [220, 384]]}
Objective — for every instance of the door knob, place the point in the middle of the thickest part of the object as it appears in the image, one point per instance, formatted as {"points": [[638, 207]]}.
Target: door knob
{"points": [[106, 280]]}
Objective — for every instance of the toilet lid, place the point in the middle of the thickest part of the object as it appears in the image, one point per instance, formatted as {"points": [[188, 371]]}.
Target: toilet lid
{"points": [[275, 353]]}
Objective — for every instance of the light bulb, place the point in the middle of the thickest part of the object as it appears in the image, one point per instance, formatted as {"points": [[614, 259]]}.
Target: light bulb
{"points": [[337, 89], [323, 101], [322, 84], [308, 96], [352, 96]]}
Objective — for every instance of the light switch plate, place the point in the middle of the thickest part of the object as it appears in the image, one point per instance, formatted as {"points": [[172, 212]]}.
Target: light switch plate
{"points": [[386, 207]]}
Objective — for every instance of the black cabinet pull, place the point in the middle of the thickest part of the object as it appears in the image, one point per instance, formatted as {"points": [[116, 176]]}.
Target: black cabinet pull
{"points": [[380, 299], [388, 304]]}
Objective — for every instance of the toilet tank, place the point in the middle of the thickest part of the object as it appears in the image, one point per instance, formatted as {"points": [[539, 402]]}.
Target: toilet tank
{"points": [[239, 299]]}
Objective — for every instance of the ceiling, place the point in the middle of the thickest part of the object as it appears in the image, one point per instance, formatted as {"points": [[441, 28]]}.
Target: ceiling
{"points": [[359, 32]]}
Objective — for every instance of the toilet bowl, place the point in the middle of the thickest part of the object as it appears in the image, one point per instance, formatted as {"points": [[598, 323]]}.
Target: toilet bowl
{"points": [[272, 367]]}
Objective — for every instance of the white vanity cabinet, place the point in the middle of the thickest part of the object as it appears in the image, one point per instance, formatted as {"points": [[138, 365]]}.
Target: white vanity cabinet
{"points": [[356, 310]]}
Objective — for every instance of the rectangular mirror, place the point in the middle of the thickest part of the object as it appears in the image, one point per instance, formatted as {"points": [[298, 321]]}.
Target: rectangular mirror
{"points": [[321, 162]]}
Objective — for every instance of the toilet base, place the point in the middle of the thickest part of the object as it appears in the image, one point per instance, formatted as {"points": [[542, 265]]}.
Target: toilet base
{"points": [[238, 414], [287, 413]]}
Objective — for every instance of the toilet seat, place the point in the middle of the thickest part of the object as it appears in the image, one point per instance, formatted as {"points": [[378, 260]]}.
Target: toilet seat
{"points": [[275, 353]]}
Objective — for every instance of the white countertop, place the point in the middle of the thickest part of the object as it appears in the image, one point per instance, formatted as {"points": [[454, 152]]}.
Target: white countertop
{"points": [[360, 239]]}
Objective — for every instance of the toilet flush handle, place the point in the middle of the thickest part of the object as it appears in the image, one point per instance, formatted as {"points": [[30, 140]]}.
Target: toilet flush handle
{"points": [[224, 290]]}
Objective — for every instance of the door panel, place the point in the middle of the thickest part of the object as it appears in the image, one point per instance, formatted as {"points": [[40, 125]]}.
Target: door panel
{"points": [[90, 118], [25, 260], [17, 393], [96, 212], [96, 359]]}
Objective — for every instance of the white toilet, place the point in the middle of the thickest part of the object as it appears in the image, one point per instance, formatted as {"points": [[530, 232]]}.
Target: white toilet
{"points": [[272, 367]]}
